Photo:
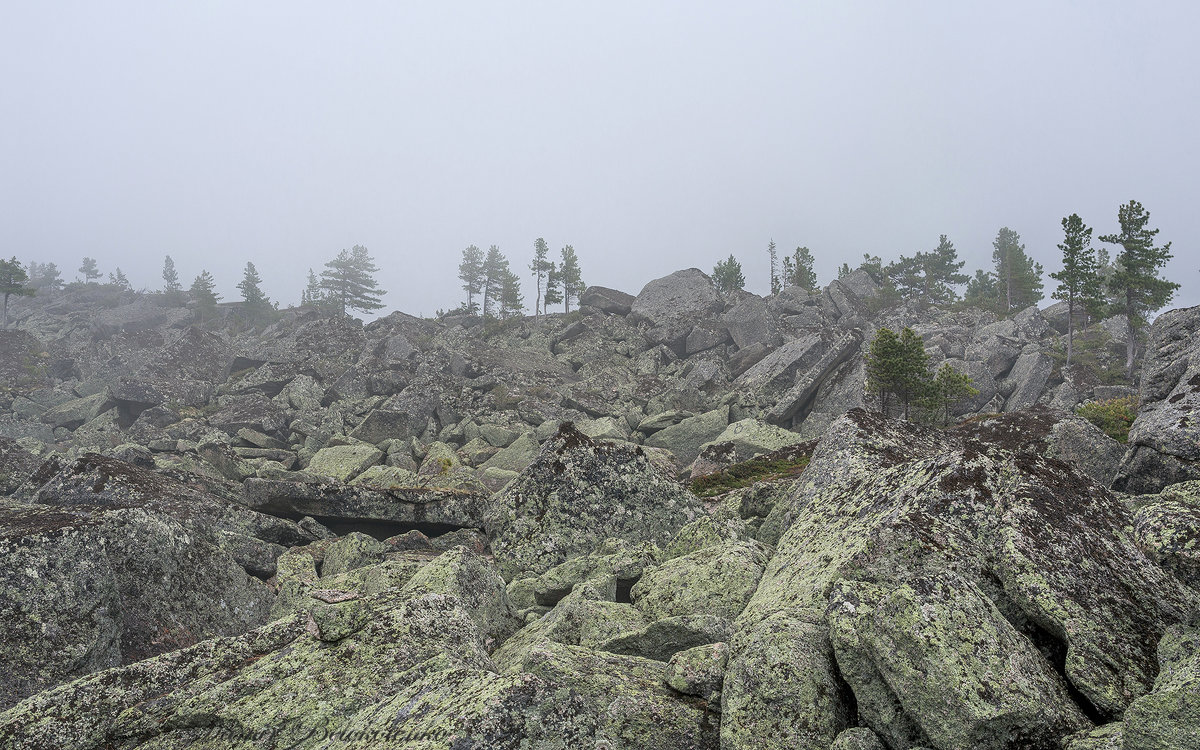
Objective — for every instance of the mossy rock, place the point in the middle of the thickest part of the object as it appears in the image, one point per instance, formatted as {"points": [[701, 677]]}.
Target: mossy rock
{"points": [[1169, 717]]}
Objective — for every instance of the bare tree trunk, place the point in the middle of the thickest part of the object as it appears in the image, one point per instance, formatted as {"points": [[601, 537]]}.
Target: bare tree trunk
{"points": [[1131, 343], [1070, 329]]}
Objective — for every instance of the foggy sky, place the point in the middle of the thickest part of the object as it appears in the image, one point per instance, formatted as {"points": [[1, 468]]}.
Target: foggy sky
{"points": [[651, 136]]}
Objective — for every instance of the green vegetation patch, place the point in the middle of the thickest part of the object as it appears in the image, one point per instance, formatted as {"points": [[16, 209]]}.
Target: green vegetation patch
{"points": [[1114, 416], [786, 463]]}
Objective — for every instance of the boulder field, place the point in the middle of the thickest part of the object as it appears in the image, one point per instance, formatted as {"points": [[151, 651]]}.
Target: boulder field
{"points": [[663, 522]]}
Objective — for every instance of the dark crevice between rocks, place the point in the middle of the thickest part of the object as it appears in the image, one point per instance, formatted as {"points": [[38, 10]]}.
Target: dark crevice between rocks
{"points": [[380, 530], [1052, 647], [624, 587]]}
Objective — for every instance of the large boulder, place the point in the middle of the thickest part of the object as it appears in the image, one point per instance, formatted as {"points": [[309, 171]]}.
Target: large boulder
{"points": [[672, 306], [606, 300], [116, 564], [1164, 441], [578, 492], [750, 322], [1053, 434], [888, 504], [686, 438]]}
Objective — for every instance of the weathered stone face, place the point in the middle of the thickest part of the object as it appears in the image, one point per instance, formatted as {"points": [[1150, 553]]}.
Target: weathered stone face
{"points": [[883, 502], [576, 493]]}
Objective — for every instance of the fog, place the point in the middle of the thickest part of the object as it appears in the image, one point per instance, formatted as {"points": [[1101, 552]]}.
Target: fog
{"points": [[650, 136]]}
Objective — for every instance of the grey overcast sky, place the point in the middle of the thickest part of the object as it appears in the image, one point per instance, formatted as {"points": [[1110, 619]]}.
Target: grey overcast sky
{"points": [[652, 136]]}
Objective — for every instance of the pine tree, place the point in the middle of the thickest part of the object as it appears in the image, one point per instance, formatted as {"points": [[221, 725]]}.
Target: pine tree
{"points": [[348, 282], [44, 276], [470, 272], [553, 294], [844, 270], [495, 266], [1019, 277], [774, 256], [1079, 279], [897, 369], [312, 295], [798, 270], [171, 286], [1136, 282], [929, 276], [946, 389], [511, 302], [203, 292], [118, 279], [254, 300], [89, 270], [571, 277], [540, 266], [983, 291], [727, 275], [13, 282]]}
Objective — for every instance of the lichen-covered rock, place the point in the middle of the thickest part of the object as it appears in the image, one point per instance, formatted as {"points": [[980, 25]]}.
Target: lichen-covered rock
{"points": [[474, 581], [716, 580], [83, 589], [344, 462], [74, 413], [612, 557], [1107, 737], [751, 437], [606, 300], [781, 689], [277, 682], [1051, 549], [354, 550], [387, 478], [858, 738], [707, 531], [1054, 434], [699, 671], [635, 709], [516, 456], [959, 669], [577, 493], [673, 305], [1167, 526], [1164, 440], [1169, 717], [686, 438], [587, 616], [662, 639]]}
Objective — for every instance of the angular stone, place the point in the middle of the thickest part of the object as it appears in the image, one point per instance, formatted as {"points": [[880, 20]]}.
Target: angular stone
{"points": [[578, 492], [344, 462]]}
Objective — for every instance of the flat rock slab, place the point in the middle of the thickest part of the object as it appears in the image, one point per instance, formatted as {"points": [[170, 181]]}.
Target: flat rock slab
{"points": [[339, 502]]}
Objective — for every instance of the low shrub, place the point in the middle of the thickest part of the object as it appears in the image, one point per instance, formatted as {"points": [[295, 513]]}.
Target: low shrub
{"points": [[1114, 416]]}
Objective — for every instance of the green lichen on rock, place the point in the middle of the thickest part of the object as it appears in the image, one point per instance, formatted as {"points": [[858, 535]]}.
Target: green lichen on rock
{"points": [[782, 690], [956, 665], [662, 639], [720, 527], [474, 581], [344, 462], [577, 493], [635, 708], [858, 738], [699, 671], [612, 557], [1167, 526], [587, 616], [883, 499], [1169, 717], [716, 580], [355, 550]]}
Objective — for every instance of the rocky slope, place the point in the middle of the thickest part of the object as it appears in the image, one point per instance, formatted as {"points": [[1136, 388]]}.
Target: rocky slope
{"points": [[456, 534]]}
